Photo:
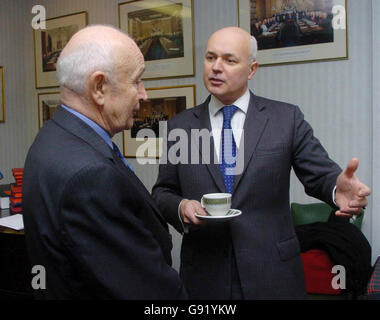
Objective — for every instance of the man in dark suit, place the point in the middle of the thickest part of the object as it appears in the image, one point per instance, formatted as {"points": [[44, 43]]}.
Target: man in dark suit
{"points": [[89, 221], [255, 255]]}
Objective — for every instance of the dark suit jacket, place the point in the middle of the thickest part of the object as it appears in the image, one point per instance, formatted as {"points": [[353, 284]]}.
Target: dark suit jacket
{"points": [[276, 138], [90, 222]]}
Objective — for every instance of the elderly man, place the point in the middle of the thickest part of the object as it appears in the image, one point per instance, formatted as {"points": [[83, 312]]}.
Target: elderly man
{"points": [[255, 255], [89, 221]]}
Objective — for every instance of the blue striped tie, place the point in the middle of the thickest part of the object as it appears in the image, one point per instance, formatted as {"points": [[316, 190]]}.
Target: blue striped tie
{"points": [[228, 154], [117, 151]]}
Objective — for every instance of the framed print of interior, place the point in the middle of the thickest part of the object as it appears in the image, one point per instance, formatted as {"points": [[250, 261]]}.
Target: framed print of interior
{"points": [[163, 30], [292, 31], [48, 102], [49, 43], [143, 139], [2, 97]]}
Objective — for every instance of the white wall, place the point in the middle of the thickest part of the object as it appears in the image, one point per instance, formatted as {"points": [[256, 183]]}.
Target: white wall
{"points": [[375, 204], [337, 97], [16, 134]]}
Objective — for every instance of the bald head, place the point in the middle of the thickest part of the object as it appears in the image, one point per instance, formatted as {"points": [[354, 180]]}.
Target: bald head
{"points": [[229, 64], [249, 42], [100, 72], [96, 34], [94, 48]]}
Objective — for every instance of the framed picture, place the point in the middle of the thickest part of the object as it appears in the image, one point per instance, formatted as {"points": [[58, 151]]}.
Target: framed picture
{"points": [[48, 102], [163, 30], [162, 104], [49, 43], [2, 97], [292, 31]]}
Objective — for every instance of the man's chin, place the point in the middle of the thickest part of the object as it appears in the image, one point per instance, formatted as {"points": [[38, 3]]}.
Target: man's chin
{"points": [[215, 90]]}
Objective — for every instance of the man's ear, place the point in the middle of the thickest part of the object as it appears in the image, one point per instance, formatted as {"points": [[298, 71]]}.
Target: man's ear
{"points": [[96, 83], [253, 68]]}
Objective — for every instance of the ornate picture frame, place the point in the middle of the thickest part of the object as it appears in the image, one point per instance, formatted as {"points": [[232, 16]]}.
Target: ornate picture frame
{"points": [[48, 44], [47, 102], [164, 32], [162, 104], [296, 31], [2, 95]]}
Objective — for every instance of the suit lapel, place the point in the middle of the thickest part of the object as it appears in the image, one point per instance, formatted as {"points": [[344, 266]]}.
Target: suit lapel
{"points": [[139, 186], [202, 116], [254, 125]]}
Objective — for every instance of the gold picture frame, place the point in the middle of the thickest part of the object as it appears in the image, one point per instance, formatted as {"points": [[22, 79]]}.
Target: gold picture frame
{"points": [[164, 32], [49, 42], [296, 31], [162, 104], [47, 102], [2, 95]]}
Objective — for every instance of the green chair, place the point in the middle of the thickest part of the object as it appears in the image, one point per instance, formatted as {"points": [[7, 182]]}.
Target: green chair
{"points": [[315, 212], [318, 212]]}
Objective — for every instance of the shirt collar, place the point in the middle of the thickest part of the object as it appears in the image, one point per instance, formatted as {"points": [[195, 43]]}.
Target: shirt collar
{"points": [[242, 103], [98, 129]]}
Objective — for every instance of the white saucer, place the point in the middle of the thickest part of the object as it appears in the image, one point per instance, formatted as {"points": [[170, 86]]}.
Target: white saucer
{"points": [[232, 213]]}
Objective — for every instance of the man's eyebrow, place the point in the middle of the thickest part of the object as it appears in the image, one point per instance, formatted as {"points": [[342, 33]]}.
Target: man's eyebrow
{"points": [[226, 54], [141, 72]]}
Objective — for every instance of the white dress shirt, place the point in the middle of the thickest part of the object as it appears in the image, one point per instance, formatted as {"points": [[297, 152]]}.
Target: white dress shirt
{"points": [[237, 121]]}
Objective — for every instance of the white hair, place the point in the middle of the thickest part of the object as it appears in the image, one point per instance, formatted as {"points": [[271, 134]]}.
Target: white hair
{"points": [[253, 51], [74, 68]]}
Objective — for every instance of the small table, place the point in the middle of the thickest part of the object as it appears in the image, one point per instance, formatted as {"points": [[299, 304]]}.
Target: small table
{"points": [[15, 269], [6, 213]]}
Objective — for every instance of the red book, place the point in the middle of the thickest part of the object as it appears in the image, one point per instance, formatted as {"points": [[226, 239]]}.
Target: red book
{"points": [[15, 201], [16, 188], [15, 209], [18, 174]]}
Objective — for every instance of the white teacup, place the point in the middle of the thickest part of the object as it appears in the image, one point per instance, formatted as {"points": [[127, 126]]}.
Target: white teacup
{"points": [[216, 204]]}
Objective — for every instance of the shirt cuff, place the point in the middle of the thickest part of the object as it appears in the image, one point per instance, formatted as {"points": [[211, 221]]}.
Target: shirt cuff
{"points": [[333, 195]]}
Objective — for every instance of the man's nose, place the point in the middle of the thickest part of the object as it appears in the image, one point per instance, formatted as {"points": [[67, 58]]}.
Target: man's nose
{"points": [[142, 93], [217, 65]]}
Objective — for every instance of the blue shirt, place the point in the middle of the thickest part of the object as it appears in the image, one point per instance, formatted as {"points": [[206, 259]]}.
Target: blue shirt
{"points": [[98, 129]]}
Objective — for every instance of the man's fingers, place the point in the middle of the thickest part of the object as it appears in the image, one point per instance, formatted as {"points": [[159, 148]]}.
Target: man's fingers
{"points": [[351, 210], [364, 191], [358, 203], [191, 219], [200, 210], [191, 208], [352, 167], [342, 214]]}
